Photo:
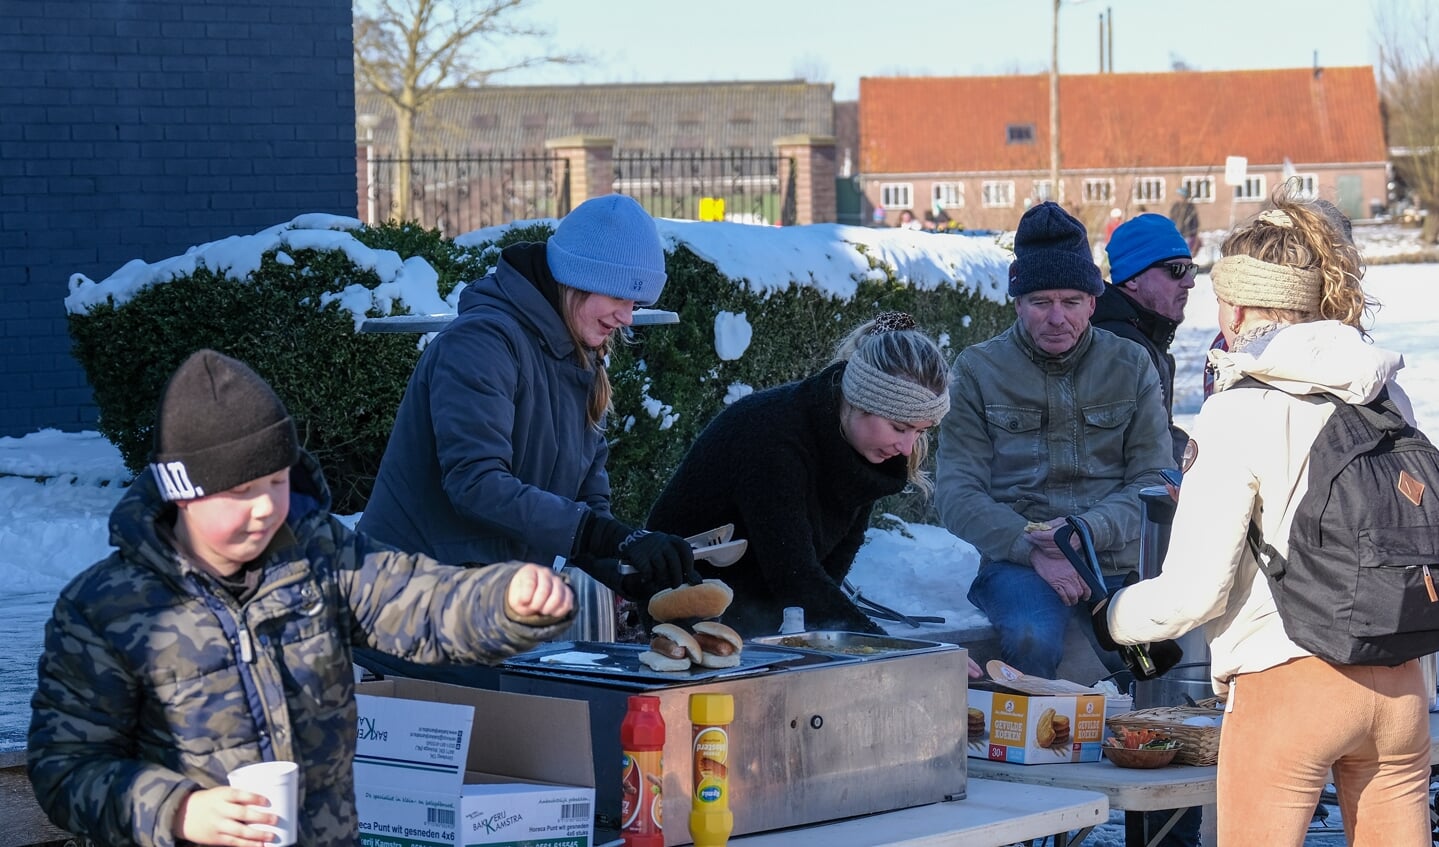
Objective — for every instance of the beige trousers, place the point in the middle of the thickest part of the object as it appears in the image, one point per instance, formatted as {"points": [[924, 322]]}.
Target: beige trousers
{"points": [[1287, 726]]}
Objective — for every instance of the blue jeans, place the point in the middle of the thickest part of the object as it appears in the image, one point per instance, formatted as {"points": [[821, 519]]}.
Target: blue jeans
{"points": [[1030, 619]]}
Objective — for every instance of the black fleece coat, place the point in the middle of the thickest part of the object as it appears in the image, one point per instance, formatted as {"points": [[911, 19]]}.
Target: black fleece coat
{"points": [[1122, 315], [776, 465]]}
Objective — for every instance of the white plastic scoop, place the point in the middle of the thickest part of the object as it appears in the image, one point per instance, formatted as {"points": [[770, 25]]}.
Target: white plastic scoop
{"points": [[713, 546]]}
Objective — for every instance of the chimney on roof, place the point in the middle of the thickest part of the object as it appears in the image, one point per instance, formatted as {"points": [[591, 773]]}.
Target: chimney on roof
{"points": [[1318, 71]]}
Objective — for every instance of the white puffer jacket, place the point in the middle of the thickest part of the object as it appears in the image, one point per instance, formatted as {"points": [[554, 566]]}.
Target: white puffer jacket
{"points": [[1252, 460]]}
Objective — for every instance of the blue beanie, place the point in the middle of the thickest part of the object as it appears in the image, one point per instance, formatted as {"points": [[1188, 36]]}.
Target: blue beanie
{"points": [[609, 245], [1051, 250], [1139, 243]]}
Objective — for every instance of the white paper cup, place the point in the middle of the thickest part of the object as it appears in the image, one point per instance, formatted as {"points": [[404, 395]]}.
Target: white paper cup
{"points": [[279, 782]]}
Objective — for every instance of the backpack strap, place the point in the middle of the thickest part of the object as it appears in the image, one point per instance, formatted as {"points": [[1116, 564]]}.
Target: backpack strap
{"points": [[1269, 560]]}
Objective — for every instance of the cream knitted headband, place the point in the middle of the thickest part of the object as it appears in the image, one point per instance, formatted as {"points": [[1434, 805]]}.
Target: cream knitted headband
{"points": [[1247, 281], [893, 398]]}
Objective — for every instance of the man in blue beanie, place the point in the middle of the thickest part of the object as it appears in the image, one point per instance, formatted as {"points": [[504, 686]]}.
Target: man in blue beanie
{"points": [[1048, 420], [1151, 272]]}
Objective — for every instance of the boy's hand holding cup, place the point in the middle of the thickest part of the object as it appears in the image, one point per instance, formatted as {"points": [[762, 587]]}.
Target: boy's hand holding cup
{"points": [[278, 782]]}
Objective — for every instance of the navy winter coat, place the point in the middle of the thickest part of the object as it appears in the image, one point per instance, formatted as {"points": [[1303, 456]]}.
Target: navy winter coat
{"points": [[491, 458]]}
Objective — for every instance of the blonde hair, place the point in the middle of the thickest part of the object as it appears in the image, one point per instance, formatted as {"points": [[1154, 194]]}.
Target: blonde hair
{"points": [[590, 358], [892, 344], [1297, 233]]}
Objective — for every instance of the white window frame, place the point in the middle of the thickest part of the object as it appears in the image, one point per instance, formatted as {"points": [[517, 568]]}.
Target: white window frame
{"points": [[997, 193], [896, 195], [1254, 189], [1147, 189], [1041, 191], [1306, 185], [1098, 191], [1201, 188], [947, 195]]}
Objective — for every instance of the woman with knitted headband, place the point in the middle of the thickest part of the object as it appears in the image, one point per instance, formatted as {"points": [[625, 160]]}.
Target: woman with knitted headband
{"points": [[798, 468], [1290, 308]]}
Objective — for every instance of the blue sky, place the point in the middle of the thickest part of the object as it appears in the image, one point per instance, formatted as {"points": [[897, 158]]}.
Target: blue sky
{"points": [[684, 40]]}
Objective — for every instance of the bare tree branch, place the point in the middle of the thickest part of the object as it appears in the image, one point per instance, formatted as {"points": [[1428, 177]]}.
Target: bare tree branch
{"points": [[411, 52], [1409, 90]]}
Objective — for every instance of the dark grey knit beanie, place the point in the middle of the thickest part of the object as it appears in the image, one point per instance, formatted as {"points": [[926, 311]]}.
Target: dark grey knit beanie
{"points": [[220, 425], [1051, 251]]}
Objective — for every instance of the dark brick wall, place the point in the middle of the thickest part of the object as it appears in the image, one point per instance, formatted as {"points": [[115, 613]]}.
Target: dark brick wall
{"points": [[137, 128]]}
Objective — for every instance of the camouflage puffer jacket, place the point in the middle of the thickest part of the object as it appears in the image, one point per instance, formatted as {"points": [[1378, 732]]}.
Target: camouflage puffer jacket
{"points": [[155, 682]]}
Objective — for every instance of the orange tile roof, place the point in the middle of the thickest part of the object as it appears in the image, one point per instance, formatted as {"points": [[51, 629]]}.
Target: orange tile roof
{"points": [[1183, 119]]}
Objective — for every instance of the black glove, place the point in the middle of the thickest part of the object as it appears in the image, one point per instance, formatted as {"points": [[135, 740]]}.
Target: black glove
{"points": [[1145, 661], [662, 560], [1162, 656], [1100, 621]]}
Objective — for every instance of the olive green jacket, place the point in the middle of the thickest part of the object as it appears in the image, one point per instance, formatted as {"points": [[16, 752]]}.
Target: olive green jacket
{"points": [[1032, 437]]}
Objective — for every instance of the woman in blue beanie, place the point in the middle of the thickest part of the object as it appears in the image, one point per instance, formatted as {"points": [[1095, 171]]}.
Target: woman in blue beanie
{"points": [[498, 450]]}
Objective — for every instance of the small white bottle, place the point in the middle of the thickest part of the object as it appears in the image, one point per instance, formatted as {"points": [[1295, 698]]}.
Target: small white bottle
{"points": [[793, 620]]}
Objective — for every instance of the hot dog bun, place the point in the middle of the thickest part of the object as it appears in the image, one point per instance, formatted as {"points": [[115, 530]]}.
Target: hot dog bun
{"points": [[709, 599], [678, 636], [663, 664], [721, 645]]}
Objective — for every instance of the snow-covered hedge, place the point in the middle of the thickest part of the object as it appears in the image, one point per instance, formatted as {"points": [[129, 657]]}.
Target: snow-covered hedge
{"points": [[758, 306]]}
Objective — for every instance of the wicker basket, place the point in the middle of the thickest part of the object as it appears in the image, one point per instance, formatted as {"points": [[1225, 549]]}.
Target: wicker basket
{"points": [[1199, 745]]}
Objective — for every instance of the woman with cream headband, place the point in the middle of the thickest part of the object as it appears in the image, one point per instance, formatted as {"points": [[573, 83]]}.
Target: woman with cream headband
{"points": [[798, 468], [1291, 309]]}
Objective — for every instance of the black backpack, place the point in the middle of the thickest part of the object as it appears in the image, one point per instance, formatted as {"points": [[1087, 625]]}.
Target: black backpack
{"points": [[1359, 584]]}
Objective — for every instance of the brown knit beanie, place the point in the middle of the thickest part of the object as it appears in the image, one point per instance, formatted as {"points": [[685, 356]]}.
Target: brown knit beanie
{"points": [[220, 425]]}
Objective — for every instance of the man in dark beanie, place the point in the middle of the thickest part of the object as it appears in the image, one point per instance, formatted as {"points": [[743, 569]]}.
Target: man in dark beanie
{"points": [[1048, 420], [1151, 273], [220, 632]]}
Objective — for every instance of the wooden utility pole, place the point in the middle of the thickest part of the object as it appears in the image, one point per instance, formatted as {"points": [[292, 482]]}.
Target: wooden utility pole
{"points": [[1054, 109]]}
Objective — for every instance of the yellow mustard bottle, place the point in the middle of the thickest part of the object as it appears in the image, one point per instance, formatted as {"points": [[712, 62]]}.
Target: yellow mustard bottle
{"points": [[710, 818]]}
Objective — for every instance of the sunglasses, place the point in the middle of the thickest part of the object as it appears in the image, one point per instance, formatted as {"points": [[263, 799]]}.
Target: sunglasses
{"points": [[1177, 270]]}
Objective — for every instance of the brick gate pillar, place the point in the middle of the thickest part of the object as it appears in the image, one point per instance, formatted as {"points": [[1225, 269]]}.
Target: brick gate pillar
{"points": [[592, 165], [813, 158]]}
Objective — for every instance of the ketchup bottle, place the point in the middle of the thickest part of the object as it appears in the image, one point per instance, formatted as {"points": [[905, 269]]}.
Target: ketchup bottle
{"points": [[642, 738], [710, 818]]}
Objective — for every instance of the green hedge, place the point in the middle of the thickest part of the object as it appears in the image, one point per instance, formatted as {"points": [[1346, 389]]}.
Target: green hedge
{"points": [[343, 387]]}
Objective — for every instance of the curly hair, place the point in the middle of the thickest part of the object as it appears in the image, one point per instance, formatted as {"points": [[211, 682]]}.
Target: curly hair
{"points": [[1310, 235]]}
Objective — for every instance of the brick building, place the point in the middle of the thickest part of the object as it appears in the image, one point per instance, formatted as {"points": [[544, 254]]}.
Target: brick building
{"points": [[978, 148]]}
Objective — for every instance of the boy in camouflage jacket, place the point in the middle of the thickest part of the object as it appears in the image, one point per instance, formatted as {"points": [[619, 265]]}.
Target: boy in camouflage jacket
{"points": [[219, 633]]}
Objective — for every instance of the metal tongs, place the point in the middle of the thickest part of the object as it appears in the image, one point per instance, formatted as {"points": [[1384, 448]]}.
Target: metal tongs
{"points": [[884, 613], [716, 546], [1086, 563]]}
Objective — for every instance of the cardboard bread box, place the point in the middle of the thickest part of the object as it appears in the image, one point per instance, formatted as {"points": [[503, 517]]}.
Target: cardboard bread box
{"points": [[1032, 721], [448, 764]]}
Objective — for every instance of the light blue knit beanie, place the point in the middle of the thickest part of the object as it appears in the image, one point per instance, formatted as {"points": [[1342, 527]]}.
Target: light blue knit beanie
{"points": [[609, 245]]}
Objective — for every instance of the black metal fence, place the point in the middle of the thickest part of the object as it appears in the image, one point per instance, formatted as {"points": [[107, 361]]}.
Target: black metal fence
{"points": [[458, 193], [687, 185]]}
